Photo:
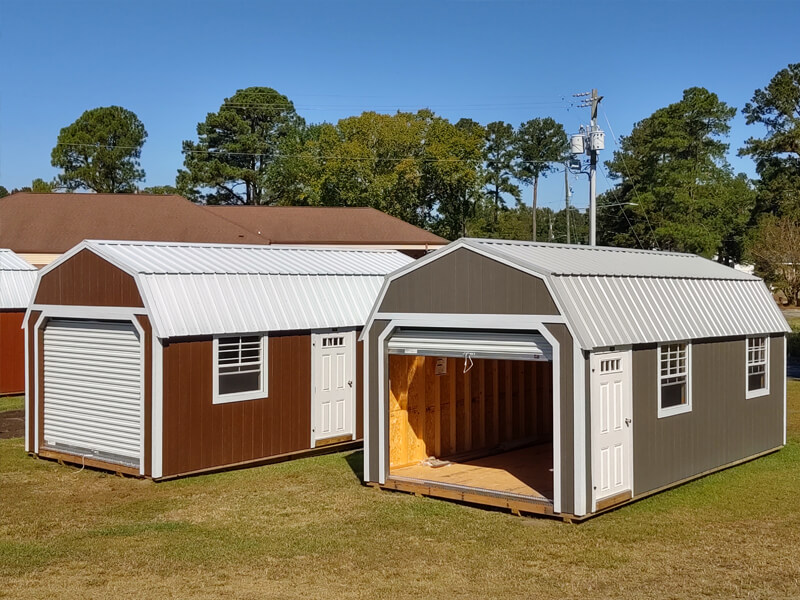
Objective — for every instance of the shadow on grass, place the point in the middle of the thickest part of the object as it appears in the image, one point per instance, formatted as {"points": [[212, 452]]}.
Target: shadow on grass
{"points": [[355, 460]]}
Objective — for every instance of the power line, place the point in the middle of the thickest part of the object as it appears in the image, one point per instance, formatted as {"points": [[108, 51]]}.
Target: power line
{"points": [[314, 156], [633, 183], [624, 214]]}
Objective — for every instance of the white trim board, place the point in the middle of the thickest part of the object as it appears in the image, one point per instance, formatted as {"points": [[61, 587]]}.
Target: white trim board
{"points": [[383, 457]]}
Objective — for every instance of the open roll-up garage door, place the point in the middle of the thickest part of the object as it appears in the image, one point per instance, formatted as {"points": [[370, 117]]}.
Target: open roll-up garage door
{"points": [[93, 389], [476, 344]]}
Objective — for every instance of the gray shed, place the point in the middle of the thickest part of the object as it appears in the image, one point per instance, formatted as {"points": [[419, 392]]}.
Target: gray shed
{"points": [[565, 380]]}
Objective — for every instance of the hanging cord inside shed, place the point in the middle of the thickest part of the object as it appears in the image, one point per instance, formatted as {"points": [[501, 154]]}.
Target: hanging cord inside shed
{"points": [[468, 361]]}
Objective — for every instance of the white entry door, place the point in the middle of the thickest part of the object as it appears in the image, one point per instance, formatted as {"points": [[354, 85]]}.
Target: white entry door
{"points": [[612, 424], [333, 396]]}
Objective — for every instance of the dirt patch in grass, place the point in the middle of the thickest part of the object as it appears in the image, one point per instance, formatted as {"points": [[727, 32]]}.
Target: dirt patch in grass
{"points": [[12, 424]]}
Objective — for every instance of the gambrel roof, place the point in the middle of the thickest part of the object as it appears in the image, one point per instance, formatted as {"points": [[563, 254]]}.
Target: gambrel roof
{"points": [[619, 296]]}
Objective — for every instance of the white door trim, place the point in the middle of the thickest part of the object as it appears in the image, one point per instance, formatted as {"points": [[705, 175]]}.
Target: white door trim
{"points": [[412, 320], [351, 341], [627, 361], [80, 313]]}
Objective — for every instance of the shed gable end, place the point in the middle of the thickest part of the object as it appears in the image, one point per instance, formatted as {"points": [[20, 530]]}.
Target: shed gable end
{"points": [[465, 282], [88, 280]]}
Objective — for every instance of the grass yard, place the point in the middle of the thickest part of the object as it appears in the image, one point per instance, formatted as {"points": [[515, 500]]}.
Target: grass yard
{"points": [[11, 403], [307, 529]]}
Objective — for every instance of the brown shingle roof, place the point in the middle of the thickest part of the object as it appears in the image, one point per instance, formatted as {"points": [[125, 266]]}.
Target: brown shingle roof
{"points": [[53, 223], [325, 225]]}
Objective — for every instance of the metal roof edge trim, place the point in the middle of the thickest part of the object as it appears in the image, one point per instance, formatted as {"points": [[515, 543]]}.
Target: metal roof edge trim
{"points": [[307, 247]]}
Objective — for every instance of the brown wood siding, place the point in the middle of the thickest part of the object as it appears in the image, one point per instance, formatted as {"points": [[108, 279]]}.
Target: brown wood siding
{"points": [[88, 280], [493, 403], [474, 284], [12, 352], [30, 399], [723, 425], [201, 435], [147, 340]]}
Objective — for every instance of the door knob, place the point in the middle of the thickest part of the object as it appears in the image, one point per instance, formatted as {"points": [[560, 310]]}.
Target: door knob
{"points": [[627, 422], [350, 383]]}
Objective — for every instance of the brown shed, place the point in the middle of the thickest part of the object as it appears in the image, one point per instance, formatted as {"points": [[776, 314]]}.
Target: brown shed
{"points": [[164, 359], [17, 279], [565, 380]]}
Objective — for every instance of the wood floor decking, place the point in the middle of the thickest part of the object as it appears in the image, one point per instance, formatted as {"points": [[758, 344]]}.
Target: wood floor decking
{"points": [[519, 479]]}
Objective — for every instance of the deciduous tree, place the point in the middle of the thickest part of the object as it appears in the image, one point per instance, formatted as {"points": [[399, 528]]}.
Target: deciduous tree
{"points": [[100, 151]]}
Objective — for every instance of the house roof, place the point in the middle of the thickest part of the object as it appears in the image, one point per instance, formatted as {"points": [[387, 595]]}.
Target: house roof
{"points": [[17, 279], [48, 223], [34, 223], [326, 225], [617, 296], [217, 289]]}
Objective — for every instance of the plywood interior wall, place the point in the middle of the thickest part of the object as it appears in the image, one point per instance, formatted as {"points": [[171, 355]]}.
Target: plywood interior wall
{"points": [[494, 402]]}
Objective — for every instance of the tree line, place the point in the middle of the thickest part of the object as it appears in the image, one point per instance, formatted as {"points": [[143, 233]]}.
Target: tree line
{"points": [[673, 187]]}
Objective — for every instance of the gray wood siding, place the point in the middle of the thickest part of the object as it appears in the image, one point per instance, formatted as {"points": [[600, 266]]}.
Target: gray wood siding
{"points": [[722, 427], [464, 282], [566, 402], [373, 426]]}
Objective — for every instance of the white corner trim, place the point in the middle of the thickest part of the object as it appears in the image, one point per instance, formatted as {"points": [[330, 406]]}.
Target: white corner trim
{"points": [[157, 412], [28, 415], [785, 407], [262, 392], [365, 395], [580, 419]]}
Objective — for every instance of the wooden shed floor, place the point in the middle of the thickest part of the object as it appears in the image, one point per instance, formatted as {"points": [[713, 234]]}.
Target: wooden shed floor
{"points": [[523, 472]]}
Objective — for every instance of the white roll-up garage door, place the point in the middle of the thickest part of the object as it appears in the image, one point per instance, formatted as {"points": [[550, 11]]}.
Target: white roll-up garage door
{"points": [[93, 389], [476, 344]]}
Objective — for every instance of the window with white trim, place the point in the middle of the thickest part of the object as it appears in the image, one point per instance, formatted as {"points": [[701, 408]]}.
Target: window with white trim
{"points": [[757, 362], [240, 368], [674, 381]]}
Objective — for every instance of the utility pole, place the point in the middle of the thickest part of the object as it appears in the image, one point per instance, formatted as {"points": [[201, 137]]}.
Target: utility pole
{"points": [[595, 100], [593, 141], [566, 198]]}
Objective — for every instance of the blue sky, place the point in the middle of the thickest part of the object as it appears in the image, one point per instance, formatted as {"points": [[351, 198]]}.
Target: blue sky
{"points": [[171, 62]]}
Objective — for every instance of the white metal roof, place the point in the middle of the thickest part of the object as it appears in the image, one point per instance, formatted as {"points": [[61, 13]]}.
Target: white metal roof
{"points": [[618, 296], [215, 289], [566, 259], [17, 279]]}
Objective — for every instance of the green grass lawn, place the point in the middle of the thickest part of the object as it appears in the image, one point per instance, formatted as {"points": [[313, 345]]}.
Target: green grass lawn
{"points": [[12, 403], [307, 529]]}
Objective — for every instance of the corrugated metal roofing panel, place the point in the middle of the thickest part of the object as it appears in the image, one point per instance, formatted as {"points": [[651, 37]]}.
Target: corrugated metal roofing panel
{"points": [[187, 304], [616, 311], [563, 259], [17, 279], [10, 261], [152, 257]]}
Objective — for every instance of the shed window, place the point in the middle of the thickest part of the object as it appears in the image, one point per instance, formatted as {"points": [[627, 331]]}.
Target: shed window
{"points": [[240, 368], [757, 361], [674, 382]]}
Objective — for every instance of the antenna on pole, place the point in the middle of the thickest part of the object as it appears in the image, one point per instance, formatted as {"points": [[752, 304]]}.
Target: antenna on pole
{"points": [[591, 141]]}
